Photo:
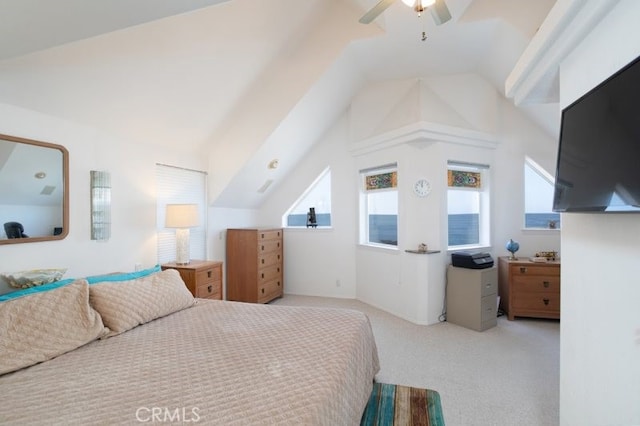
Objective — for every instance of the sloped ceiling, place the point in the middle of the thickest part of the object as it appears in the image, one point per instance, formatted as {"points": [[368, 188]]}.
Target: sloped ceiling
{"points": [[256, 80]]}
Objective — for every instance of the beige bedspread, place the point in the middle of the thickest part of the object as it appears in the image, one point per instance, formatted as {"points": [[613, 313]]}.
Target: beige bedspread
{"points": [[217, 362]]}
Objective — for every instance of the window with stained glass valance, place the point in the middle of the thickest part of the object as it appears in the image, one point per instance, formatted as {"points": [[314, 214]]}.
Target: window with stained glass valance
{"points": [[464, 179], [468, 205], [381, 181], [379, 206]]}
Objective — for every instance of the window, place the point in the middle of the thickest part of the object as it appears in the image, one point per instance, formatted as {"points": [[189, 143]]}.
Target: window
{"points": [[538, 198], [467, 205], [180, 186], [318, 196], [379, 206]]}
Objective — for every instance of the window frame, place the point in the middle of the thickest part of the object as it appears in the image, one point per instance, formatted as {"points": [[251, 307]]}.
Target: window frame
{"points": [[364, 234], [484, 203]]}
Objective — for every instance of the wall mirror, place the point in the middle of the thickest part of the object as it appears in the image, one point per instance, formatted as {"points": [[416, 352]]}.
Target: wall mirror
{"points": [[34, 191]]}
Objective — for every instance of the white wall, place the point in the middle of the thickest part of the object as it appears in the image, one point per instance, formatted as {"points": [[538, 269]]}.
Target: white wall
{"points": [[600, 328], [411, 286], [320, 262], [132, 167]]}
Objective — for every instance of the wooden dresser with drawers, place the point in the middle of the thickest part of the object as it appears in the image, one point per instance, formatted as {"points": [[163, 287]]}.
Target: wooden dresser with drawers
{"points": [[254, 264], [529, 289]]}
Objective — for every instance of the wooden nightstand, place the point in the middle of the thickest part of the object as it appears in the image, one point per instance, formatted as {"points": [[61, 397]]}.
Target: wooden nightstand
{"points": [[203, 278], [529, 289]]}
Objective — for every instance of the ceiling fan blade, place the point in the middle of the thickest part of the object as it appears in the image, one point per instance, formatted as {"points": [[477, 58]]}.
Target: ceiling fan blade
{"points": [[440, 12], [372, 14]]}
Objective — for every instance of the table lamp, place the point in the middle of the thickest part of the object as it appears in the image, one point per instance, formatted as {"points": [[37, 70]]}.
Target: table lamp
{"points": [[182, 217]]}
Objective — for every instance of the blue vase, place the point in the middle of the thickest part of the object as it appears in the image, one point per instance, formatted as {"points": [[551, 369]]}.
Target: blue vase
{"points": [[512, 247]]}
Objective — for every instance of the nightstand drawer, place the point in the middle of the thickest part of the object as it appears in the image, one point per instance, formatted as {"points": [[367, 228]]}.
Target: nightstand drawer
{"points": [[208, 275], [211, 290]]}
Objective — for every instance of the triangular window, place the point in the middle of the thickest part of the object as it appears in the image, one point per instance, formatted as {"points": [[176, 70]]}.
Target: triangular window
{"points": [[316, 197], [538, 198]]}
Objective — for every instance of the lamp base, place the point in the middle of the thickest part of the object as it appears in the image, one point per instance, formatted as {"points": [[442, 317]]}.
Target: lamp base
{"points": [[182, 246]]}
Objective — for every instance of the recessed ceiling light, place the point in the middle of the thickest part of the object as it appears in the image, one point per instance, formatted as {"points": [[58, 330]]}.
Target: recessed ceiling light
{"points": [[273, 164], [40, 175]]}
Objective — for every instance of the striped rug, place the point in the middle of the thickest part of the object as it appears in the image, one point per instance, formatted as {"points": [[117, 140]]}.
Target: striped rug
{"points": [[395, 405]]}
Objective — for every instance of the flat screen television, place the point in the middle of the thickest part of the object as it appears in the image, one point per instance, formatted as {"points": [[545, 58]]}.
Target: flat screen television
{"points": [[598, 165]]}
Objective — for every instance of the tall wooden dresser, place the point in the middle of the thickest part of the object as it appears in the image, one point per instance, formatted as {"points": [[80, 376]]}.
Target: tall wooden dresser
{"points": [[254, 264], [529, 289]]}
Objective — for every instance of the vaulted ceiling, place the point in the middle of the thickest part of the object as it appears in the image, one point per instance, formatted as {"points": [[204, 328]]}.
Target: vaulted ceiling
{"points": [[257, 79]]}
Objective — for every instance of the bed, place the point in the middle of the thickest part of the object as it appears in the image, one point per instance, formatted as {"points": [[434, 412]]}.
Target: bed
{"points": [[171, 358]]}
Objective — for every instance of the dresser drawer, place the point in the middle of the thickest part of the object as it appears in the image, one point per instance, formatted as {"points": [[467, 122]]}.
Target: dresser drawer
{"points": [[521, 270], [271, 234], [267, 259], [269, 246], [269, 273], [532, 284], [269, 290], [212, 290], [549, 302]]}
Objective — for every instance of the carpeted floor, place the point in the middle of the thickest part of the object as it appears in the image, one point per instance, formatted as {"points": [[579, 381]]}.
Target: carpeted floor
{"points": [[395, 405], [507, 375]]}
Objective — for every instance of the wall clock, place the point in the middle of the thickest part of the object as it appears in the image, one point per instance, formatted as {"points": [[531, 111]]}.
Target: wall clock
{"points": [[422, 187]]}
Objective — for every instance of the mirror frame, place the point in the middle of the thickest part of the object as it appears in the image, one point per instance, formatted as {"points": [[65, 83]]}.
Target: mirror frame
{"points": [[65, 197]]}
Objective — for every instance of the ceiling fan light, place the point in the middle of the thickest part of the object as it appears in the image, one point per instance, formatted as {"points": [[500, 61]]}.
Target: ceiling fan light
{"points": [[419, 3]]}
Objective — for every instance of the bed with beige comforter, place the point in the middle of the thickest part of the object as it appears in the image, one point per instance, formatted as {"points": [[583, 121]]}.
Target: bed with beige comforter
{"points": [[215, 362]]}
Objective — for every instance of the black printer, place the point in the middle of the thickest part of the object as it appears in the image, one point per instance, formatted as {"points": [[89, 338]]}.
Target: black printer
{"points": [[463, 259]]}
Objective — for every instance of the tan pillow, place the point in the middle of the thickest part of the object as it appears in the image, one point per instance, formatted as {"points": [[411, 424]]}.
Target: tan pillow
{"points": [[124, 305], [40, 326]]}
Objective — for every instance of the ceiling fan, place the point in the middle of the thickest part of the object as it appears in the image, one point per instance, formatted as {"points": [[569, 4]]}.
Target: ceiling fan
{"points": [[438, 8]]}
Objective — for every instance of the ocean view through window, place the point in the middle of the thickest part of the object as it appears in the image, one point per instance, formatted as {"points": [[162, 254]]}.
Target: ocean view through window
{"points": [[538, 197], [467, 205], [379, 206]]}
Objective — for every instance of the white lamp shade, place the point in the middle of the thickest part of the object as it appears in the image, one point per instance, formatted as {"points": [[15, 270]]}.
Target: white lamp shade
{"points": [[181, 216]]}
